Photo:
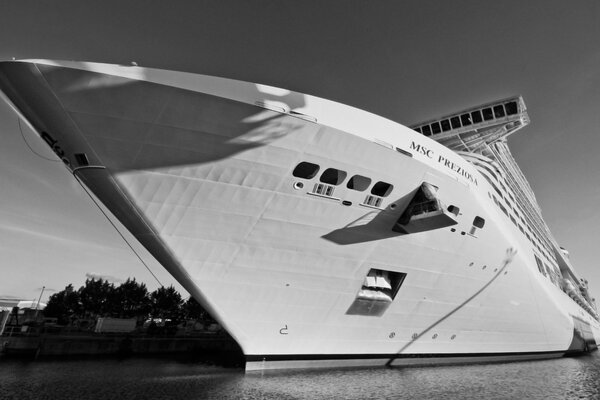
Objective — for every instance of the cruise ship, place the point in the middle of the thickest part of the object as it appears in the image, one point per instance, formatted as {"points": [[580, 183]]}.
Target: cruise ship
{"points": [[318, 234]]}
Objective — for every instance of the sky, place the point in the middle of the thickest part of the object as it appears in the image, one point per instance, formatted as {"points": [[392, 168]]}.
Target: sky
{"points": [[408, 61]]}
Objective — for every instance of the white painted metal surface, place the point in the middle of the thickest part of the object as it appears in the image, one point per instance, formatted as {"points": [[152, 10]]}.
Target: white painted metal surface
{"points": [[202, 175]]}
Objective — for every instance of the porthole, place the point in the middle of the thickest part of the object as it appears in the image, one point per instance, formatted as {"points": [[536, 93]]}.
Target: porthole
{"points": [[478, 222], [454, 210], [359, 183], [298, 185], [333, 176], [382, 189], [305, 170]]}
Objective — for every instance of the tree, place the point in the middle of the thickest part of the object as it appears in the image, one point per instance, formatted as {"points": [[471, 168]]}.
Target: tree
{"points": [[95, 297], [193, 310], [63, 305], [131, 300], [166, 303]]}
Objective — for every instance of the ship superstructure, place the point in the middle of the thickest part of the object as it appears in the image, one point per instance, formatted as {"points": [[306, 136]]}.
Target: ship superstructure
{"points": [[318, 234], [479, 135]]}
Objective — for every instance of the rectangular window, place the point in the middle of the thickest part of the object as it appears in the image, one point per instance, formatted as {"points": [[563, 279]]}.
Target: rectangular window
{"points": [[511, 108], [540, 265], [455, 121], [487, 114], [465, 119], [445, 125], [476, 115], [503, 208], [82, 159], [499, 111]]}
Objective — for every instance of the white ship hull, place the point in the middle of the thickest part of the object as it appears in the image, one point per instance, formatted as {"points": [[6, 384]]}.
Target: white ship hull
{"points": [[202, 175]]}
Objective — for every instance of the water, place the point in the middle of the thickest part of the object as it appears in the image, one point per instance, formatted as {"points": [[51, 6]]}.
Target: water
{"points": [[566, 378]]}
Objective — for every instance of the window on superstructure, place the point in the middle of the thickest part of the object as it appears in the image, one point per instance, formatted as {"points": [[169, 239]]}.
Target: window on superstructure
{"points": [[476, 115], [455, 122], [514, 221], [426, 130], [445, 125], [521, 229], [487, 114], [333, 176], [503, 208], [551, 275], [497, 190], [382, 189], [435, 128], [82, 159], [418, 129], [465, 119], [557, 270], [359, 182], [305, 170], [540, 265], [511, 108], [499, 111]]}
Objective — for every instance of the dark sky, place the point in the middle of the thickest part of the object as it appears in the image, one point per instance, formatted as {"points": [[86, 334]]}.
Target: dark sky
{"points": [[405, 60]]}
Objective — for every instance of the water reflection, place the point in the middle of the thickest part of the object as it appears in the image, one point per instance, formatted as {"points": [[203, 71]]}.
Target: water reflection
{"points": [[566, 378]]}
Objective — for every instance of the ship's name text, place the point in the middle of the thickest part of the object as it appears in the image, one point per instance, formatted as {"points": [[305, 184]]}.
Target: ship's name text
{"points": [[442, 160]]}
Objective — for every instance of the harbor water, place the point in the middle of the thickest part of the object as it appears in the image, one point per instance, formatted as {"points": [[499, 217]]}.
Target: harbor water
{"points": [[565, 378]]}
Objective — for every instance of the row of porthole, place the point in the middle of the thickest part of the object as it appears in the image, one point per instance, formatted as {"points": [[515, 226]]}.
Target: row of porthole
{"points": [[416, 336], [485, 266], [333, 176]]}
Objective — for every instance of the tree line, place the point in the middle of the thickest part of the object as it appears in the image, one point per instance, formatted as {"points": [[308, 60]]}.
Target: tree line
{"points": [[131, 299]]}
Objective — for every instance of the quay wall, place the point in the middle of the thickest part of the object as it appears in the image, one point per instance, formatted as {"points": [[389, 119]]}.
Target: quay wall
{"points": [[62, 345]]}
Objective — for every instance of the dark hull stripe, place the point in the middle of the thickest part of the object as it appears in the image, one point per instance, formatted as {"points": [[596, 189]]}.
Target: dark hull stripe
{"points": [[303, 357]]}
